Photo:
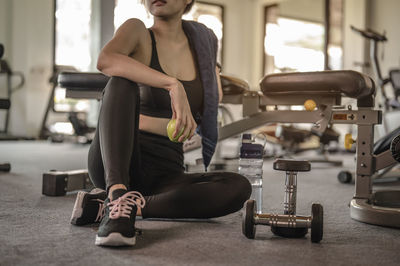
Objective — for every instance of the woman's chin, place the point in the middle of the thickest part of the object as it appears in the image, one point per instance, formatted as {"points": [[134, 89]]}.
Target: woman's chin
{"points": [[164, 13]]}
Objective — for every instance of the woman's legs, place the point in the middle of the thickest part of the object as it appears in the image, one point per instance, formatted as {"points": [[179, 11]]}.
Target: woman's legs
{"points": [[111, 151], [114, 159], [110, 158]]}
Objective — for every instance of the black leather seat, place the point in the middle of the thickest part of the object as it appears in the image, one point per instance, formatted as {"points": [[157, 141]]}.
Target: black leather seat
{"points": [[346, 82], [82, 81]]}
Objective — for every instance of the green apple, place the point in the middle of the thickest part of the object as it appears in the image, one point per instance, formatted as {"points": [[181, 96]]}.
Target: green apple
{"points": [[171, 129]]}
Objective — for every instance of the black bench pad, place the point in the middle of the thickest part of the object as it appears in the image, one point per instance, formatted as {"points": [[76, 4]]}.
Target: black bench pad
{"points": [[347, 82], [82, 81]]}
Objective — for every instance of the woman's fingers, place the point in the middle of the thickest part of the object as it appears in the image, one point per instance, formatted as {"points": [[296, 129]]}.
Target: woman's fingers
{"points": [[178, 125], [193, 129], [181, 113], [188, 128]]}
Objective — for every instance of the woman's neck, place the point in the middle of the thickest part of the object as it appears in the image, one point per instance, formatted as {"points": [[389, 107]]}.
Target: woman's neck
{"points": [[170, 29]]}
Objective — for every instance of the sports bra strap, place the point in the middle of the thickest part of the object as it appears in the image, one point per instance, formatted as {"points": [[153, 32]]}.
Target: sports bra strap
{"points": [[153, 39]]}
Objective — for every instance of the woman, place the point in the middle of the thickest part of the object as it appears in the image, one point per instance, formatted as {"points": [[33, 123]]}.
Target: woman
{"points": [[172, 67]]}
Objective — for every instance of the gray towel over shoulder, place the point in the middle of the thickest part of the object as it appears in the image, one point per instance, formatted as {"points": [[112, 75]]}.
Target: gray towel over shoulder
{"points": [[205, 45]]}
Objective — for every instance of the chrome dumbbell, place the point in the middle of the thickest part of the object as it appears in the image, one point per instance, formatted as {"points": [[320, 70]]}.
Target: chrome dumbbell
{"points": [[287, 224]]}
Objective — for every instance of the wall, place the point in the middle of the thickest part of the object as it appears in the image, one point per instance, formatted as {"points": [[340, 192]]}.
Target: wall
{"points": [[354, 48], [28, 49], [5, 21]]}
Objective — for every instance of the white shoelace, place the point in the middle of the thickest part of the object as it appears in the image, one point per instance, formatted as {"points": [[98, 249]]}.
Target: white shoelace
{"points": [[122, 206]]}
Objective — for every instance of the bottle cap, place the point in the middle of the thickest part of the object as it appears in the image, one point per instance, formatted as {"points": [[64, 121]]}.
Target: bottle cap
{"points": [[247, 138]]}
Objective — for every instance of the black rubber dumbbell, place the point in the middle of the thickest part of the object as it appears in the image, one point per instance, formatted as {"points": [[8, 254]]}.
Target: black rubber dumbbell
{"points": [[58, 183], [287, 224], [5, 167]]}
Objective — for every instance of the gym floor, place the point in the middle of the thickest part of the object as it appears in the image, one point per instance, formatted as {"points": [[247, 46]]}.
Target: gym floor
{"points": [[35, 229]]}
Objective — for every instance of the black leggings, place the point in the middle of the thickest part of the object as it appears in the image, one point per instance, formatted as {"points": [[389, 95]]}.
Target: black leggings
{"points": [[153, 165]]}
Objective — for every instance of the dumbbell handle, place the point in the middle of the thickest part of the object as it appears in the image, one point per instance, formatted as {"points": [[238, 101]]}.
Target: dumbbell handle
{"points": [[290, 193], [283, 220]]}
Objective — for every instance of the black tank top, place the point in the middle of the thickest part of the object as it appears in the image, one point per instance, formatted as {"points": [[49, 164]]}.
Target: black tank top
{"points": [[156, 102]]}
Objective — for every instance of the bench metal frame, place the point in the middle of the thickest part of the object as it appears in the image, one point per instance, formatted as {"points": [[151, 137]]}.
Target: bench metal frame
{"points": [[366, 206]]}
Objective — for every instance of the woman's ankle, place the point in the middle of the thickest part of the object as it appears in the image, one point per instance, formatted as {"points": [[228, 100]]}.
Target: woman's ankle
{"points": [[121, 186], [115, 187]]}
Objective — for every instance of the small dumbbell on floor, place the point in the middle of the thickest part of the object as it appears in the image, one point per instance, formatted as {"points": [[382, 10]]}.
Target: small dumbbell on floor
{"points": [[58, 183], [287, 224], [5, 167]]}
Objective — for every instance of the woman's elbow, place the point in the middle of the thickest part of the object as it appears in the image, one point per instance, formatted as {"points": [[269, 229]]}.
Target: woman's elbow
{"points": [[105, 63], [101, 62]]}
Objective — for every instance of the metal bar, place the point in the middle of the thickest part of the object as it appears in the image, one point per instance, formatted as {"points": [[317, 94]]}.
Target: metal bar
{"points": [[9, 92], [282, 220], [299, 99], [289, 203], [365, 168], [263, 118], [383, 160], [83, 94], [360, 117]]}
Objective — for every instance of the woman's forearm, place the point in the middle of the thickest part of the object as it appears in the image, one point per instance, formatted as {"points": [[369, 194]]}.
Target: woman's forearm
{"points": [[114, 64]]}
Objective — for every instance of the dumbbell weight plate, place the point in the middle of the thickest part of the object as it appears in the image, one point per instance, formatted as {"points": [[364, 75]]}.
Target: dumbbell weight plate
{"points": [[289, 232], [5, 167], [395, 148], [317, 222], [248, 225], [345, 177]]}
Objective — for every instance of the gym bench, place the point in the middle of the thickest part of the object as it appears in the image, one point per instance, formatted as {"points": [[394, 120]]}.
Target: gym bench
{"points": [[326, 89]]}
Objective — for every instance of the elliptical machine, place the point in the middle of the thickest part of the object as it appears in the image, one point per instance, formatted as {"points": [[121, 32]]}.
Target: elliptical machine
{"points": [[394, 74]]}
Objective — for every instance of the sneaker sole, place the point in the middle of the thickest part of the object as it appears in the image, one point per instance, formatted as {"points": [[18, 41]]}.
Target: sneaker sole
{"points": [[115, 239]]}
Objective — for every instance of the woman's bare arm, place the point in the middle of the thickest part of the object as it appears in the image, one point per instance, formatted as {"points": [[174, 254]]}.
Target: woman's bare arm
{"points": [[115, 58]]}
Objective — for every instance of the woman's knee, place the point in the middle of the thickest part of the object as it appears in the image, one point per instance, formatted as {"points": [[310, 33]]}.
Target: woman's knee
{"points": [[121, 87], [241, 187]]}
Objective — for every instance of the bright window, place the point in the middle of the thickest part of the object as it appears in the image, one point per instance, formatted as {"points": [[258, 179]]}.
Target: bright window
{"points": [[294, 45], [72, 44]]}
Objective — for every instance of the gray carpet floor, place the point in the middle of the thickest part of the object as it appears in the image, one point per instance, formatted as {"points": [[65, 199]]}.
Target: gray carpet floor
{"points": [[35, 229]]}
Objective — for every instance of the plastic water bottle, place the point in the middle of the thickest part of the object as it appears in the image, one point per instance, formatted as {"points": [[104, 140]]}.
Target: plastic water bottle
{"points": [[251, 166]]}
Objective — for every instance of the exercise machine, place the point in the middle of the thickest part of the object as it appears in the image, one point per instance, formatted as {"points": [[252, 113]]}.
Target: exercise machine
{"points": [[394, 74], [4, 104], [81, 130], [289, 138], [383, 144], [326, 88], [287, 224]]}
